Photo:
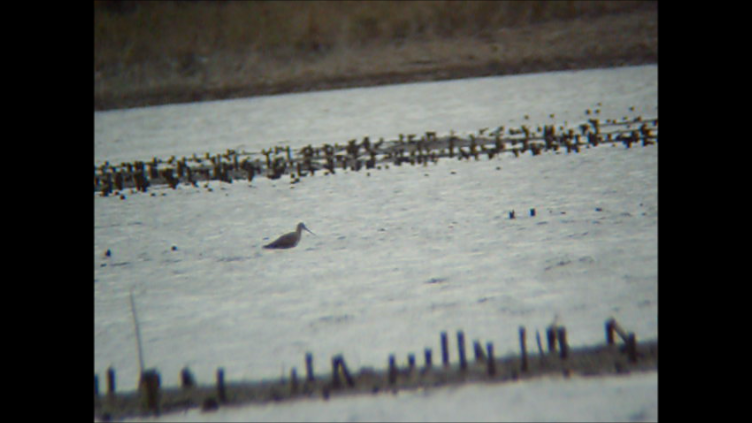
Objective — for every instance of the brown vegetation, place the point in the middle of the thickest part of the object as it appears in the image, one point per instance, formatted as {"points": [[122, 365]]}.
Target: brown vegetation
{"points": [[149, 53]]}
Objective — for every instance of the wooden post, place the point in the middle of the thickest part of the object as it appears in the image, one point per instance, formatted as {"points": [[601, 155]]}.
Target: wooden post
{"points": [[461, 349], [427, 353], [392, 370], [622, 333], [632, 347], [110, 381], [444, 350], [551, 337], [479, 355], [491, 362], [523, 348], [186, 378], [96, 385], [629, 338], [562, 335], [511, 214], [610, 331], [345, 372], [309, 367], [149, 385], [532, 212], [538, 340], [221, 392], [335, 372], [293, 381]]}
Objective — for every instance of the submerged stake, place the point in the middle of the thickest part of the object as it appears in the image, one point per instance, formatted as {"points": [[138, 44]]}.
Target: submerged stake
{"points": [[461, 348], [392, 370], [491, 363], [523, 347], [309, 366], [221, 392], [427, 353], [444, 349]]}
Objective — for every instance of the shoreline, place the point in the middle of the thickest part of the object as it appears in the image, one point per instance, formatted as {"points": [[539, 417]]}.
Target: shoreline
{"points": [[614, 40], [177, 95]]}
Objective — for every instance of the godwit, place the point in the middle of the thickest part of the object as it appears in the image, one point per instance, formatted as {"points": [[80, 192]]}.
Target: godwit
{"points": [[289, 240]]}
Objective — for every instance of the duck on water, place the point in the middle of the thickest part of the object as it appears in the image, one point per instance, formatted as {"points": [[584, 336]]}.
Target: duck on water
{"points": [[289, 240]]}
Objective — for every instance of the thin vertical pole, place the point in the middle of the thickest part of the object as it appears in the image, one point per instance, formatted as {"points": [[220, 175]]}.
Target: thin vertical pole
{"points": [[110, 381], [551, 338], [610, 332], [461, 348], [309, 366], [478, 351], [523, 347], [221, 393], [335, 372], [138, 336], [444, 349], [392, 370], [562, 335], [491, 361], [538, 340]]}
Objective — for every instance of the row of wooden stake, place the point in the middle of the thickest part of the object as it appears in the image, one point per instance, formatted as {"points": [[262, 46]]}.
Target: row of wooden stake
{"points": [[228, 166], [556, 336]]}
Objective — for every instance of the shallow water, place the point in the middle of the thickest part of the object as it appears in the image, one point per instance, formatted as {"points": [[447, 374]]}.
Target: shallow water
{"points": [[338, 116], [399, 255]]}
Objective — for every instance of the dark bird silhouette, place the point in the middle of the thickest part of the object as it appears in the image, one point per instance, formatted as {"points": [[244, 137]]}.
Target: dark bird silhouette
{"points": [[289, 240]]}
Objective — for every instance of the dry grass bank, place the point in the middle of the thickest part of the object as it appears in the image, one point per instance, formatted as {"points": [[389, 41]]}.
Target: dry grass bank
{"points": [[164, 52]]}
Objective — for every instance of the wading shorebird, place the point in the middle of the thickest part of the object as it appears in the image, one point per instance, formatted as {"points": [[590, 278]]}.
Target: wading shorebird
{"points": [[289, 240]]}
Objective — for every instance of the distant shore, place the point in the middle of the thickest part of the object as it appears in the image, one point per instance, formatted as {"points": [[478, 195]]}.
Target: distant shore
{"points": [[617, 39]]}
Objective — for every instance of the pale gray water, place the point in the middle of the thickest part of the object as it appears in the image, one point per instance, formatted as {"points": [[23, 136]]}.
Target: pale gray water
{"points": [[398, 255], [337, 116]]}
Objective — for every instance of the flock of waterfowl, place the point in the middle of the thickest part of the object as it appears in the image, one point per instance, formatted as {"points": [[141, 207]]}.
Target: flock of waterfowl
{"points": [[412, 149]]}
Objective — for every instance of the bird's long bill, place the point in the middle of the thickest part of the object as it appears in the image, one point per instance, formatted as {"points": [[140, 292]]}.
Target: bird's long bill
{"points": [[308, 230]]}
